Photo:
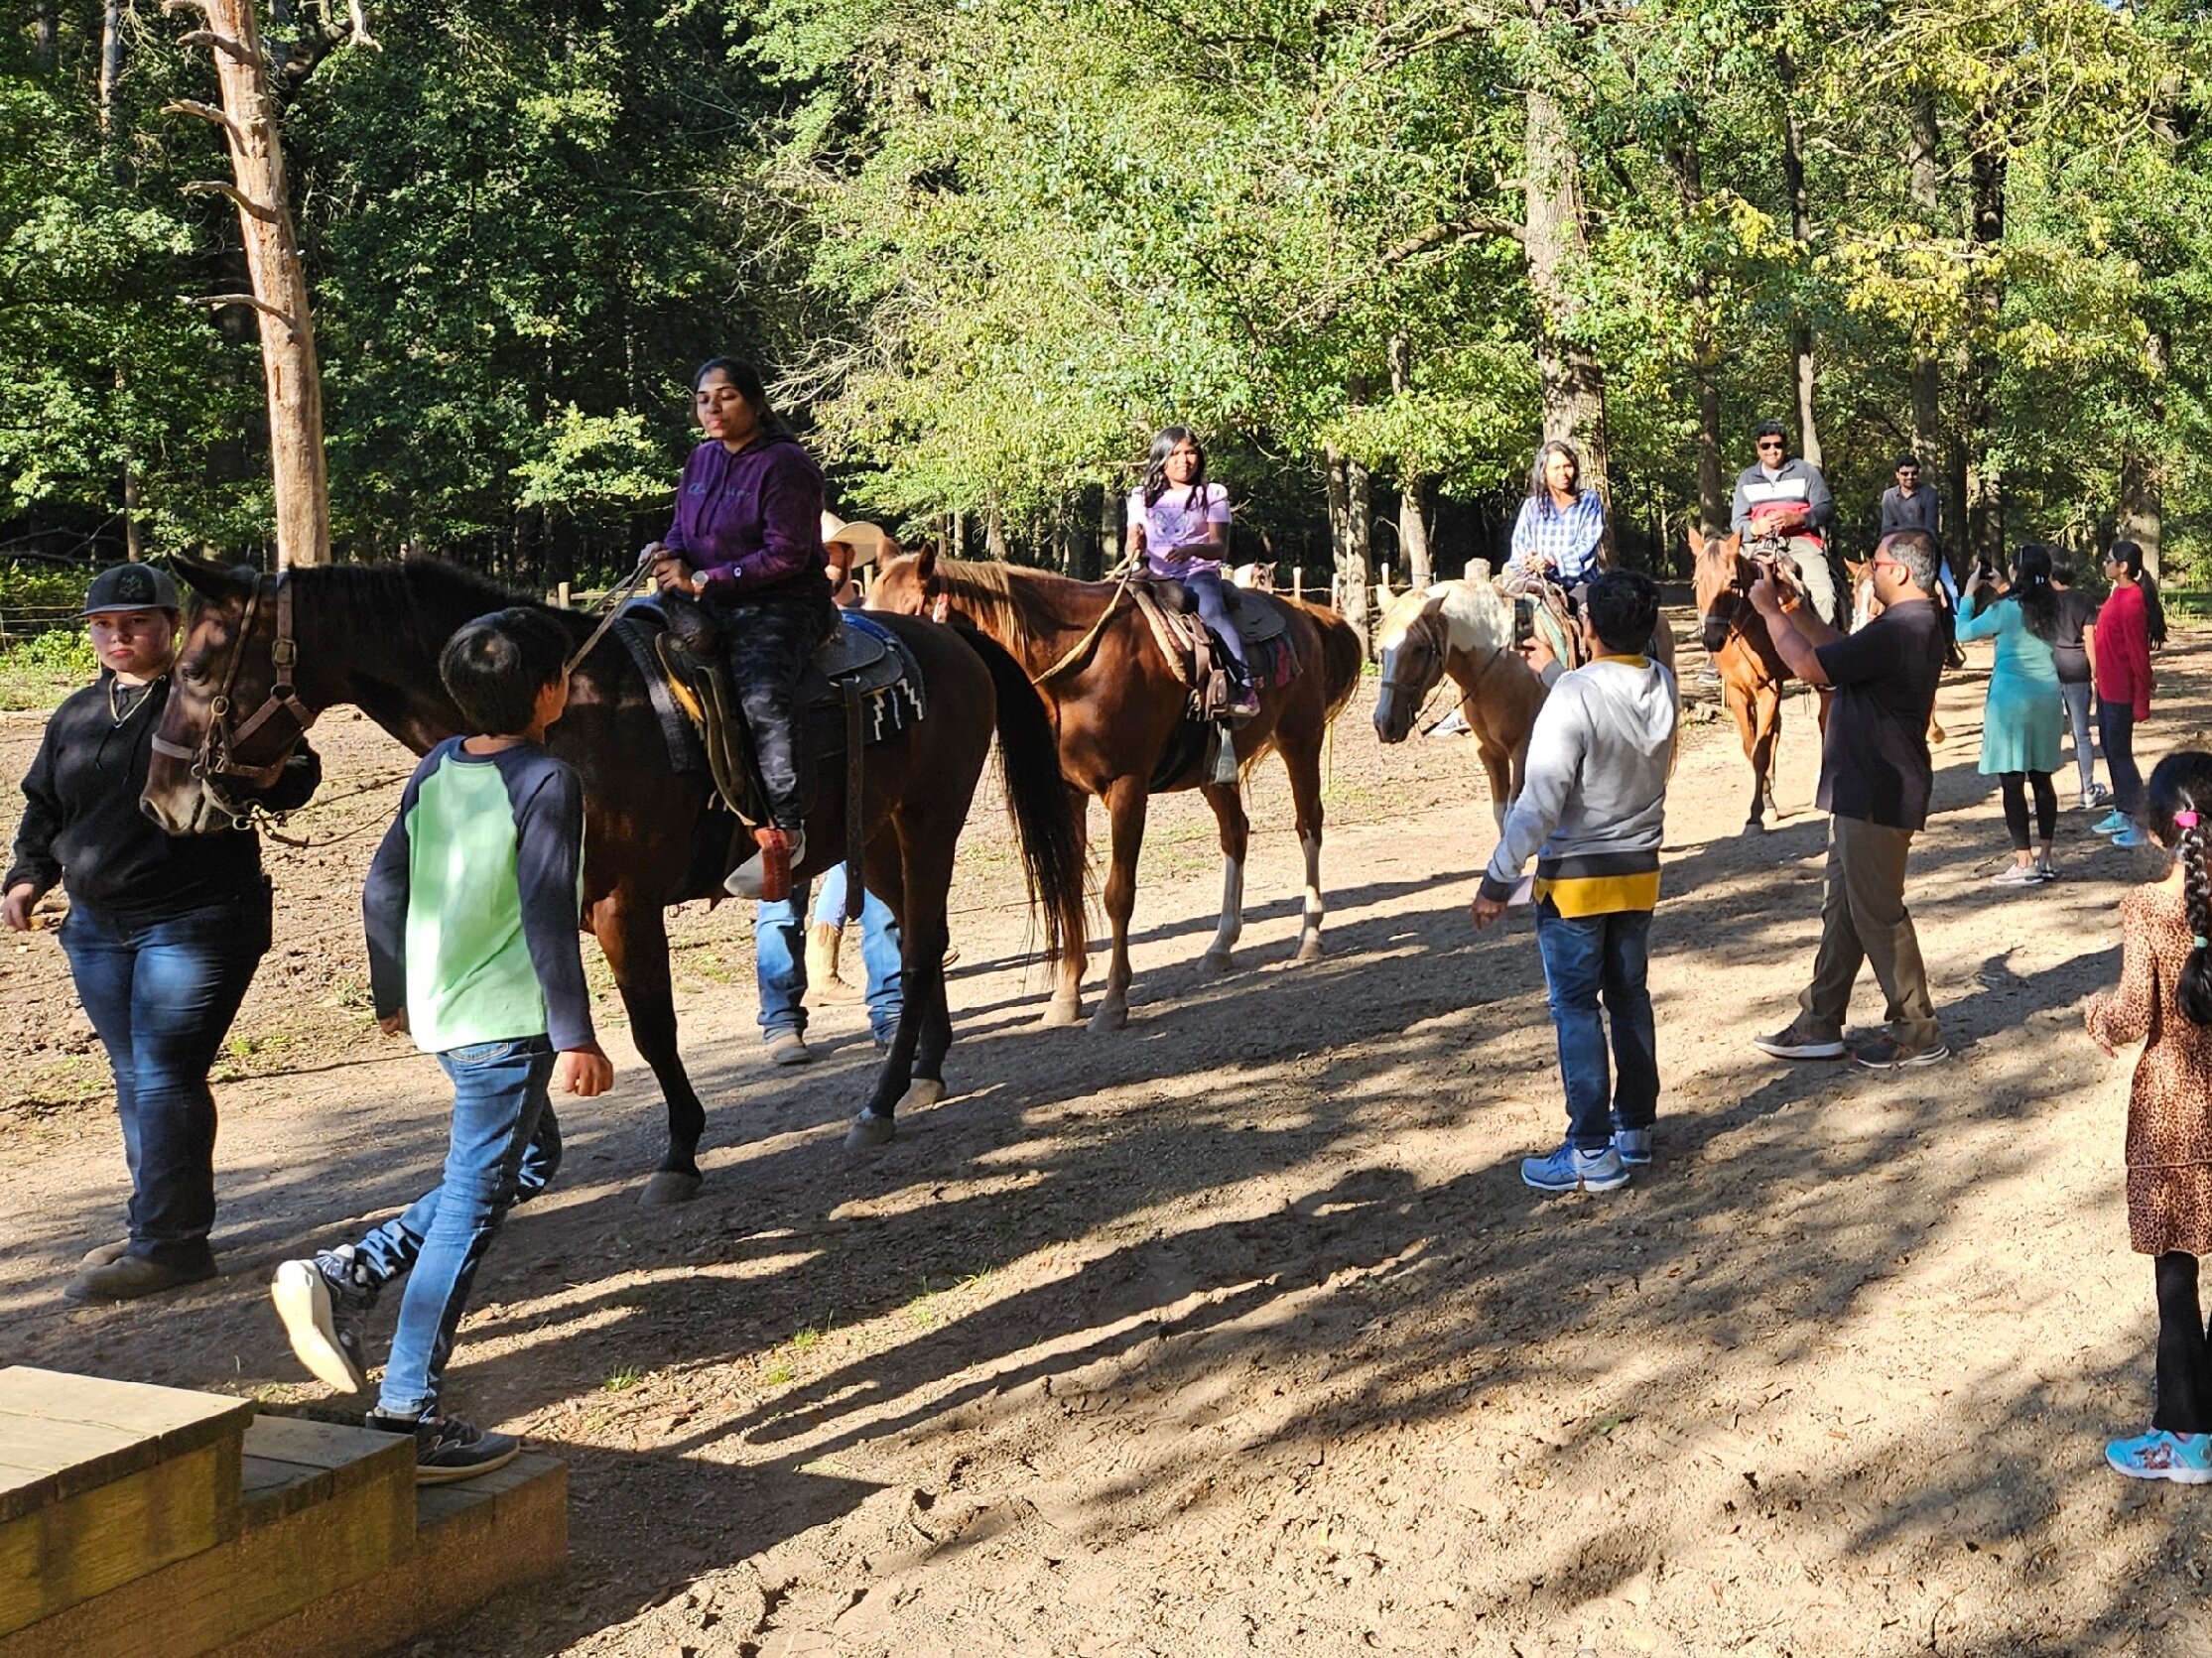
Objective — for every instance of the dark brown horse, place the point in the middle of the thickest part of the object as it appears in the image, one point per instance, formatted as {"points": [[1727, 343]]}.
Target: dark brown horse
{"points": [[370, 637], [1118, 707], [1751, 671]]}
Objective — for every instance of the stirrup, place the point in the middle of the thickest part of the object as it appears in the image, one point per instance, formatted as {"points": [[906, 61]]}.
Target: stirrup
{"points": [[766, 875]]}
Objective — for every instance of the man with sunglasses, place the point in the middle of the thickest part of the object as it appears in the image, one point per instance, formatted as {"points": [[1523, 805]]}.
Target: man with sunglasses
{"points": [[1875, 783], [1780, 493]]}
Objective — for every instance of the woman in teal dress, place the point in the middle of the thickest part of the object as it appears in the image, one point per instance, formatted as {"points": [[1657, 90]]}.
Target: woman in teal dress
{"points": [[2026, 711]]}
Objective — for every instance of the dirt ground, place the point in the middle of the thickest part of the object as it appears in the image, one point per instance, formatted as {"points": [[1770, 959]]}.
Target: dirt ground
{"points": [[1236, 1331]]}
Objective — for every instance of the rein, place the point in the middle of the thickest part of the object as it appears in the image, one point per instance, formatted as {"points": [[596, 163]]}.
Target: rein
{"points": [[1083, 645], [612, 604], [215, 760]]}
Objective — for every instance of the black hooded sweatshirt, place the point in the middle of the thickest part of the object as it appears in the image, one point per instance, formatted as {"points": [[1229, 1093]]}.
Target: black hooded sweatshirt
{"points": [[82, 826]]}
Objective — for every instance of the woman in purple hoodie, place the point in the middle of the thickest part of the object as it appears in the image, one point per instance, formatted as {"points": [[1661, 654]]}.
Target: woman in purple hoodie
{"points": [[746, 542]]}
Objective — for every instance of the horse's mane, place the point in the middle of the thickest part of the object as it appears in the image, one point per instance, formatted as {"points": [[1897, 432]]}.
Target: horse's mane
{"points": [[1474, 614], [422, 600], [1011, 602]]}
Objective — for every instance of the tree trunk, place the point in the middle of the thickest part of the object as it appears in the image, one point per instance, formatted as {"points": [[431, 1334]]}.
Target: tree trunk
{"points": [[1348, 545], [48, 36], [1800, 232], [1111, 530], [111, 62], [2142, 479], [1985, 522], [1705, 352], [1925, 189], [280, 286], [1553, 238], [1414, 525], [994, 534]]}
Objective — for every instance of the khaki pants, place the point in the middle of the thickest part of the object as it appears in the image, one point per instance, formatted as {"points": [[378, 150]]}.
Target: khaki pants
{"points": [[1863, 918]]}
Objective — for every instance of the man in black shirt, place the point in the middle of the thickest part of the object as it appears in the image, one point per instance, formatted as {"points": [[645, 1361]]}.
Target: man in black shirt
{"points": [[1911, 504], [1875, 783]]}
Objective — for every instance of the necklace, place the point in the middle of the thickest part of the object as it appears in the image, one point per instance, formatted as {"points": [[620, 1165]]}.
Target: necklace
{"points": [[123, 700]]}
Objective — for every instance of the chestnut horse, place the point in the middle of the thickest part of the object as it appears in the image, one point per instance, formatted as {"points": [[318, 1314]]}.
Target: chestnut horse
{"points": [[1119, 708], [1751, 671], [371, 637], [1464, 629]]}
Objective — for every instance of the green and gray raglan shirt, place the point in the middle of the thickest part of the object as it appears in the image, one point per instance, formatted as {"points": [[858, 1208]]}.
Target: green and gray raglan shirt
{"points": [[472, 902]]}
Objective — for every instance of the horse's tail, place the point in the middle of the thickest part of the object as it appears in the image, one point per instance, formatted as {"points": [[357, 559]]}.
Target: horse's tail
{"points": [[1342, 657], [1052, 854]]}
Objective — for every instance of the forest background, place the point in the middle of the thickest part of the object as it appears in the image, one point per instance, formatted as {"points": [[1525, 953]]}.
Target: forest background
{"points": [[1374, 249]]}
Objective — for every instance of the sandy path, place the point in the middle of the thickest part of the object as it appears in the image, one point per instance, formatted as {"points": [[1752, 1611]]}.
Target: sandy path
{"points": [[1239, 1332]]}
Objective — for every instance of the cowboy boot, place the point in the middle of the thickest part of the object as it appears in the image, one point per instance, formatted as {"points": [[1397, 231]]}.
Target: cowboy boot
{"points": [[823, 940]]}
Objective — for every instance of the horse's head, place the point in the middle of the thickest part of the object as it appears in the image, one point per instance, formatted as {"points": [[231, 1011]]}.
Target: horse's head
{"points": [[1720, 581], [908, 584], [233, 719], [1413, 645]]}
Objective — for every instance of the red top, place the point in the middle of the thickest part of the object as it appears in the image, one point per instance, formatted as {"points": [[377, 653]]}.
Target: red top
{"points": [[2122, 635]]}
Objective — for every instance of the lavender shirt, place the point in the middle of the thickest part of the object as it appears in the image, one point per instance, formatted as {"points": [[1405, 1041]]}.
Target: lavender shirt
{"points": [[749, 520]]}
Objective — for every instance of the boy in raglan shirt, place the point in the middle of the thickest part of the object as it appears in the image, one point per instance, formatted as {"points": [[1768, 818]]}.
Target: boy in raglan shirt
{"points": [[471, 908]]}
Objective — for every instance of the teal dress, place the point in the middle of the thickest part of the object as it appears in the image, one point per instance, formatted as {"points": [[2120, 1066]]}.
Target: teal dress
{"points": [[2025, 710]]}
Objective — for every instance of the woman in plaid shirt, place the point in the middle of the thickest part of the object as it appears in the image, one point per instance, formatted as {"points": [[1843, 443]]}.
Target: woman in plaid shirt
{"points": [[1556, 536]]}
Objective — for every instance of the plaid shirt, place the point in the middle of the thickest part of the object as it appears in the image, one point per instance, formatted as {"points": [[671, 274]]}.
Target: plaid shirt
{"points": [[1566, 537]]}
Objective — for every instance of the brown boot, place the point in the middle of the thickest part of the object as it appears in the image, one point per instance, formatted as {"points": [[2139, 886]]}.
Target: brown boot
{"points": [[822, 941]]}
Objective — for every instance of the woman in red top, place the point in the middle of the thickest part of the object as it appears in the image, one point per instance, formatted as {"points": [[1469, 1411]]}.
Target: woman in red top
{"points": [[2120, 659]]}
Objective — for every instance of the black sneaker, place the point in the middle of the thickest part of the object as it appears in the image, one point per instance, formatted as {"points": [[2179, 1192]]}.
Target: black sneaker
{"points": [[321, 1302], [447, 1448]]}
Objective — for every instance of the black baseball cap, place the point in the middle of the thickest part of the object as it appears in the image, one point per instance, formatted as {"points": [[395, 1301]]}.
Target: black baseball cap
{"points": [[132, 588]]}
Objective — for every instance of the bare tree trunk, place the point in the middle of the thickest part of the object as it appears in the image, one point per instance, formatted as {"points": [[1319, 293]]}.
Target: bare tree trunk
{"points": [[1705, 352], [48, 36], [1927, 201], [134, 539], [1111, 530], [1801, 232], [1985, 523], [111, 62], [1413, 523], [280, 286], [994, 534], [1350, 545], [1574, 381], [2142, 480]]}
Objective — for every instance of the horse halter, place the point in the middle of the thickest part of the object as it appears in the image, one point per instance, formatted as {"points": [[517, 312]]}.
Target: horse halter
{"points": [[214, 759]]}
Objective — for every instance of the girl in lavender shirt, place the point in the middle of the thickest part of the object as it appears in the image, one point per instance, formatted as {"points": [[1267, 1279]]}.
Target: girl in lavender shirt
{"points": [[1177, 521], [746, 542]]}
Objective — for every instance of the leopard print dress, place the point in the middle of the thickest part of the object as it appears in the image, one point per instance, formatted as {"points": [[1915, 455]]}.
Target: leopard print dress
{"points": [[2170, 1103]]}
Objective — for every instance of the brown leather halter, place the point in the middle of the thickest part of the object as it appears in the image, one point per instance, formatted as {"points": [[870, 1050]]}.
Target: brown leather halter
{"points": [[215, 760]]}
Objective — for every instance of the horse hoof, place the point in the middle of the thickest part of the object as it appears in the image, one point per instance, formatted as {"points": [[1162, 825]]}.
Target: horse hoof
{"points": [[1310, 950], [1218, 961], [869, 1131], [1755, 825], [1109, 1018], [1060, 1014], [669, 1188], [921, 1094]]}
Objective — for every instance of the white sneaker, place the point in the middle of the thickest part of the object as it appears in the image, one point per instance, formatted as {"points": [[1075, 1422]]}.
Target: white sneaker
{"points": [[746, 880], [2016, 875]]}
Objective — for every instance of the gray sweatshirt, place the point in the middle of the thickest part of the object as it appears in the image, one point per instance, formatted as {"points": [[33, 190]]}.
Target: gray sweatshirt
{"points": [[1593, 807]]}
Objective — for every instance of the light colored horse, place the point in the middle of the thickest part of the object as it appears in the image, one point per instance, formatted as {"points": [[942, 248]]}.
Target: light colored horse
{"points": [[1464, 629]]}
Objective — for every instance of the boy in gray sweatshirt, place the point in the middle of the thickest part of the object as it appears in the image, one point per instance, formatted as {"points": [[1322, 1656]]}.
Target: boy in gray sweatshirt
{"points": [[1592, 812]]}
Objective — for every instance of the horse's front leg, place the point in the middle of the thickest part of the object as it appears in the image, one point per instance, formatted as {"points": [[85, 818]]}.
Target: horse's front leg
{"points": [[1065, 1006], [1227, 801], [1767, 726], [634, 933], [1125, 805]]}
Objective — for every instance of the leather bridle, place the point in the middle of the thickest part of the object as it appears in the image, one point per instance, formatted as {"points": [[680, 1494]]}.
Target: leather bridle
{"points": [[215, 761]]}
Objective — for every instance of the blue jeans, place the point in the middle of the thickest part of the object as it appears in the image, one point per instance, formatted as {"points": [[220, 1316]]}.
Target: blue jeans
{"points": [[389, 1253], [780, 958], [499, 1103], [1586, 957], [161, 995], [1206, 589]]}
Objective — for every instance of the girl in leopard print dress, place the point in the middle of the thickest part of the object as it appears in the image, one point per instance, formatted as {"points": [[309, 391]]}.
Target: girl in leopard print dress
{"points": [[2165, 1001]]}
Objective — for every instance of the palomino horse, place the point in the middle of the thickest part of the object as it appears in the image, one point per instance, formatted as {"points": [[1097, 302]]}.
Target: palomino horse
{"points": [[1751, 671], [1464, 629], [291, 646], [1119, 708]]}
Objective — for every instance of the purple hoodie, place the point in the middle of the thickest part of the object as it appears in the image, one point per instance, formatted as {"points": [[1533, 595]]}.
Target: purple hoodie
{"points": [[749, 520]]}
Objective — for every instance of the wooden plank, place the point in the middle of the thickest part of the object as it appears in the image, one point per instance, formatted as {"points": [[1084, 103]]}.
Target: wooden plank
{"points": [[293, 1462], [70, 1551], [258, 1576], [477, 1539], [74, 1433]]}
